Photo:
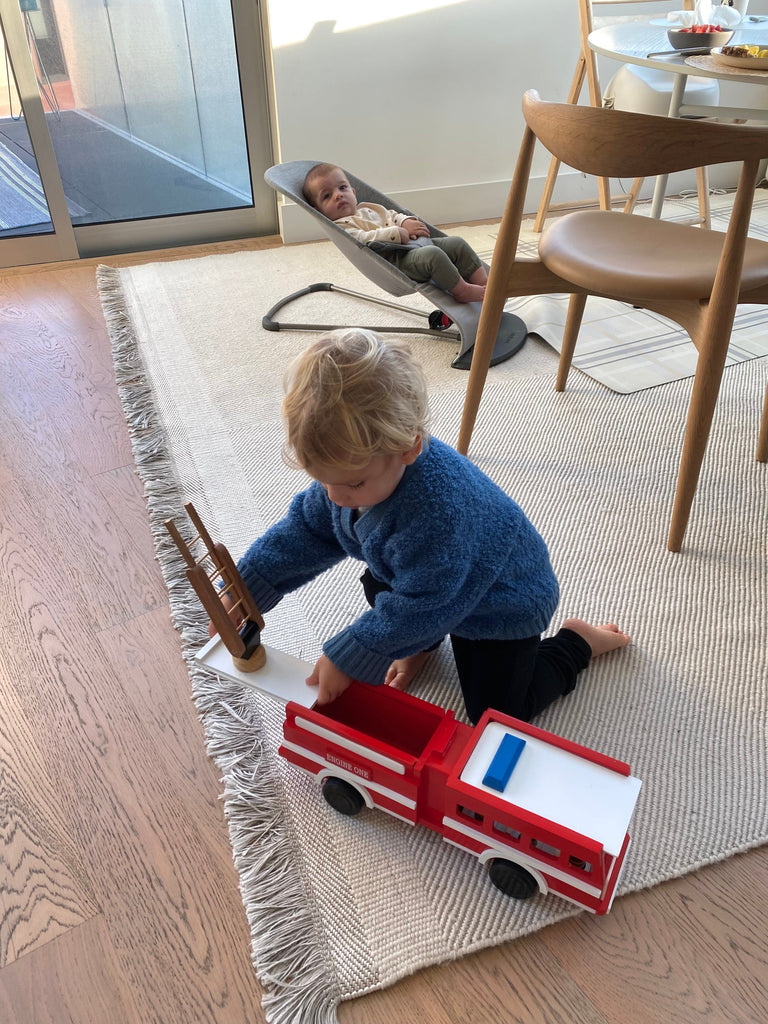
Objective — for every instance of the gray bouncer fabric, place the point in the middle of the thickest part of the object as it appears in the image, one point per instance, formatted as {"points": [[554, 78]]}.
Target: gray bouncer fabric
{"points": [[288, 179]]}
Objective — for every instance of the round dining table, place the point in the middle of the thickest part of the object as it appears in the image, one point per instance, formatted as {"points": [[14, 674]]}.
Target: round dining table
{"points": [[644, 42]]}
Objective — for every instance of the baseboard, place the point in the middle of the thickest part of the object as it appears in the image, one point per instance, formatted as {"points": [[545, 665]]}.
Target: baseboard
{"points": [[462, 204]]}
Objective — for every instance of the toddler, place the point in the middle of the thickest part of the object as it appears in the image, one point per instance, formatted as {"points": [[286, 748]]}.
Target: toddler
{"points": [[447, 551], [402, 239]]}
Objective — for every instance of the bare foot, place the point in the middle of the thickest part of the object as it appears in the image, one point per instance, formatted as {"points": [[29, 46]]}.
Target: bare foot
{"points": [[466, 292], [601, 639], [402, 672]]}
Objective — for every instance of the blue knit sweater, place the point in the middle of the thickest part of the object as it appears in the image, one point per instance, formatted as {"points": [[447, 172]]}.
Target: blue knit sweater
{"points": [[460, 556]]}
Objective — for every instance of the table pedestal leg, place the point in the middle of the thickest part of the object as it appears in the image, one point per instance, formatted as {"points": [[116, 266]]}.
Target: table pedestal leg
{"points": [[675, 101]]}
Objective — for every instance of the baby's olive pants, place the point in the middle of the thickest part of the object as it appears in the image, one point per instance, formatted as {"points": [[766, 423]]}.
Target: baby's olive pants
{"points": [[443, 261]]}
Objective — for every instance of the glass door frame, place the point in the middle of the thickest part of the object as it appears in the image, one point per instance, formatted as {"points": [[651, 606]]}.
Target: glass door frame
{"points": [[88, 240], [59, 243]]}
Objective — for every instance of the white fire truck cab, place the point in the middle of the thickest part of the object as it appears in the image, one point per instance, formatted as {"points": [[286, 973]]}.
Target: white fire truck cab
{"points": [[544, 814]]}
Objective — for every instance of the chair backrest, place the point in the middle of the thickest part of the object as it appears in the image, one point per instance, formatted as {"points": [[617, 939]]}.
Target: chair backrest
{"points": [[288, 179], [586, 15], [618, 143], [587, 24], [687, 5]]}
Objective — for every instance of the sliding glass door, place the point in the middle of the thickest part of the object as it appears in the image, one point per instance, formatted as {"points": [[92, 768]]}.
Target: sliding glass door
{"points": [[34, 221], [133, 109]]}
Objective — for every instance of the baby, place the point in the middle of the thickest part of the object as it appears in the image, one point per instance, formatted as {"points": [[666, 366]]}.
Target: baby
{"points": [[402, 239]]}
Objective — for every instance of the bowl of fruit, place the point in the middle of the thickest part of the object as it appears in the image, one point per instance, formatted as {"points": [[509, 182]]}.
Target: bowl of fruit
{"points": [[699, 36]]}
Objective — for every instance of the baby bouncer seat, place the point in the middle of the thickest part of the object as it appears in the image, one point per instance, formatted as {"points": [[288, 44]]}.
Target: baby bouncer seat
{"points": [[288, 179]]}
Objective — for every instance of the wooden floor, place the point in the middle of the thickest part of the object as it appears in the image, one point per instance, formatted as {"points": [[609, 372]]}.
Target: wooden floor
{"points": [[119, 903]]}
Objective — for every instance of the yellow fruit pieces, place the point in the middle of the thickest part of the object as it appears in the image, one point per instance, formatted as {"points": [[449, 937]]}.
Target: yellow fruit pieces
{"points": [[745, 51]]}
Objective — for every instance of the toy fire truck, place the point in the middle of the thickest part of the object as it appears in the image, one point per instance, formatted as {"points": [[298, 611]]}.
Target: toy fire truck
{"points": [[544, 814]]}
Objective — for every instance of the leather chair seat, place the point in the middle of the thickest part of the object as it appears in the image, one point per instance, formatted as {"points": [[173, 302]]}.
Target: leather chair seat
{"points": [[602, 266]]}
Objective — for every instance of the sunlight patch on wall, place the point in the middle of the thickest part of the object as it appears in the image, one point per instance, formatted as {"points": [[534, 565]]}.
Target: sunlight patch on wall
{"points": [[292, 22]]}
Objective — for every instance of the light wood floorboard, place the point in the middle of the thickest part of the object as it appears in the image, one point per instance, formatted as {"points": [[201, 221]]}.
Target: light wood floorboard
{"points": [[119, 903]]}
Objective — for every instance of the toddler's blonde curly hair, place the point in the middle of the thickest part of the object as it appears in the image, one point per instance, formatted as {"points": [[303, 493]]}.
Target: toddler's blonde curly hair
{"points": [[351, 396]]}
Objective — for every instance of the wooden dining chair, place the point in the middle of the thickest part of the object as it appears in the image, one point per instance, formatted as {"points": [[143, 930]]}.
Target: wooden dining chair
{"points": [[693, 276], [587, 70]]}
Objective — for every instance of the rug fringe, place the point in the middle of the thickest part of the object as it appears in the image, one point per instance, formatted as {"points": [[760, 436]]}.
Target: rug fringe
{"points": [[286, 944], [286, 952]]}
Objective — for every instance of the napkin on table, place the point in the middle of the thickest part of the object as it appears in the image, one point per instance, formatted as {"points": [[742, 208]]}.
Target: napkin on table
{"points": [[706, 14]]}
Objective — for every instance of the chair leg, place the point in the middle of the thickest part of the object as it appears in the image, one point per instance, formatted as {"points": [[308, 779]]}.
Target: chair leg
{"points": [[633, 194], [762, 442], [546, 196], [702, 185], [713, 349], [604, 192], [570, 334], [502, 266], [554, 164], [490, 318], [706, 387]]}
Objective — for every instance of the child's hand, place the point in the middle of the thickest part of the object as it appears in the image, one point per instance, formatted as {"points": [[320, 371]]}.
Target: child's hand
{"points": [[236, 617], [330, 681], [416, 228]]}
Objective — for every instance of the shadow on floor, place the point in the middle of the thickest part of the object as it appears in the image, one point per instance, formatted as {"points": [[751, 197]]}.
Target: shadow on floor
{"points": [[110, 178]]}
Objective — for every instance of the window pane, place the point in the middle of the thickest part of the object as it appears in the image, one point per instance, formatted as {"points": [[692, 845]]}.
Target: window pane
{"points": [[506, 830], [143, 105], [539, 844], [23, 206]]}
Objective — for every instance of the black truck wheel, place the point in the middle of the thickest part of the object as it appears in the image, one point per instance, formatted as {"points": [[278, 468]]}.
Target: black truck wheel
{"points": [[341, 796], [511, 879]]}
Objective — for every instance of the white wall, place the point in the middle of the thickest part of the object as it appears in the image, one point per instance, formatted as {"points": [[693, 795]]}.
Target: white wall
{"points": [[421, 98], [424, 106]]}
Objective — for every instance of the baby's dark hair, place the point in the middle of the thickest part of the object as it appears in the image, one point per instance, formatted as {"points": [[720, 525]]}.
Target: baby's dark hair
{"points": [[351, 396], [318, 171]]}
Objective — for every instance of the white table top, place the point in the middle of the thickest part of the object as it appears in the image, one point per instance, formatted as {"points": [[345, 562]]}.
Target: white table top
{"points": [[630, 42]]}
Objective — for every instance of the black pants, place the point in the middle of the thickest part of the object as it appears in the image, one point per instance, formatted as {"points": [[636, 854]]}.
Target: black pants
{"points": [[518, 677]]}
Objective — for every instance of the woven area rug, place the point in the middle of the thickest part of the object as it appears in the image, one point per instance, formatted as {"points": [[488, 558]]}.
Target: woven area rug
{"points": [[339, 907]]}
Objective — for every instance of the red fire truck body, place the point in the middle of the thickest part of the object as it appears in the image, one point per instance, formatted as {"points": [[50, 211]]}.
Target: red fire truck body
{"points": [[543, 813]]}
